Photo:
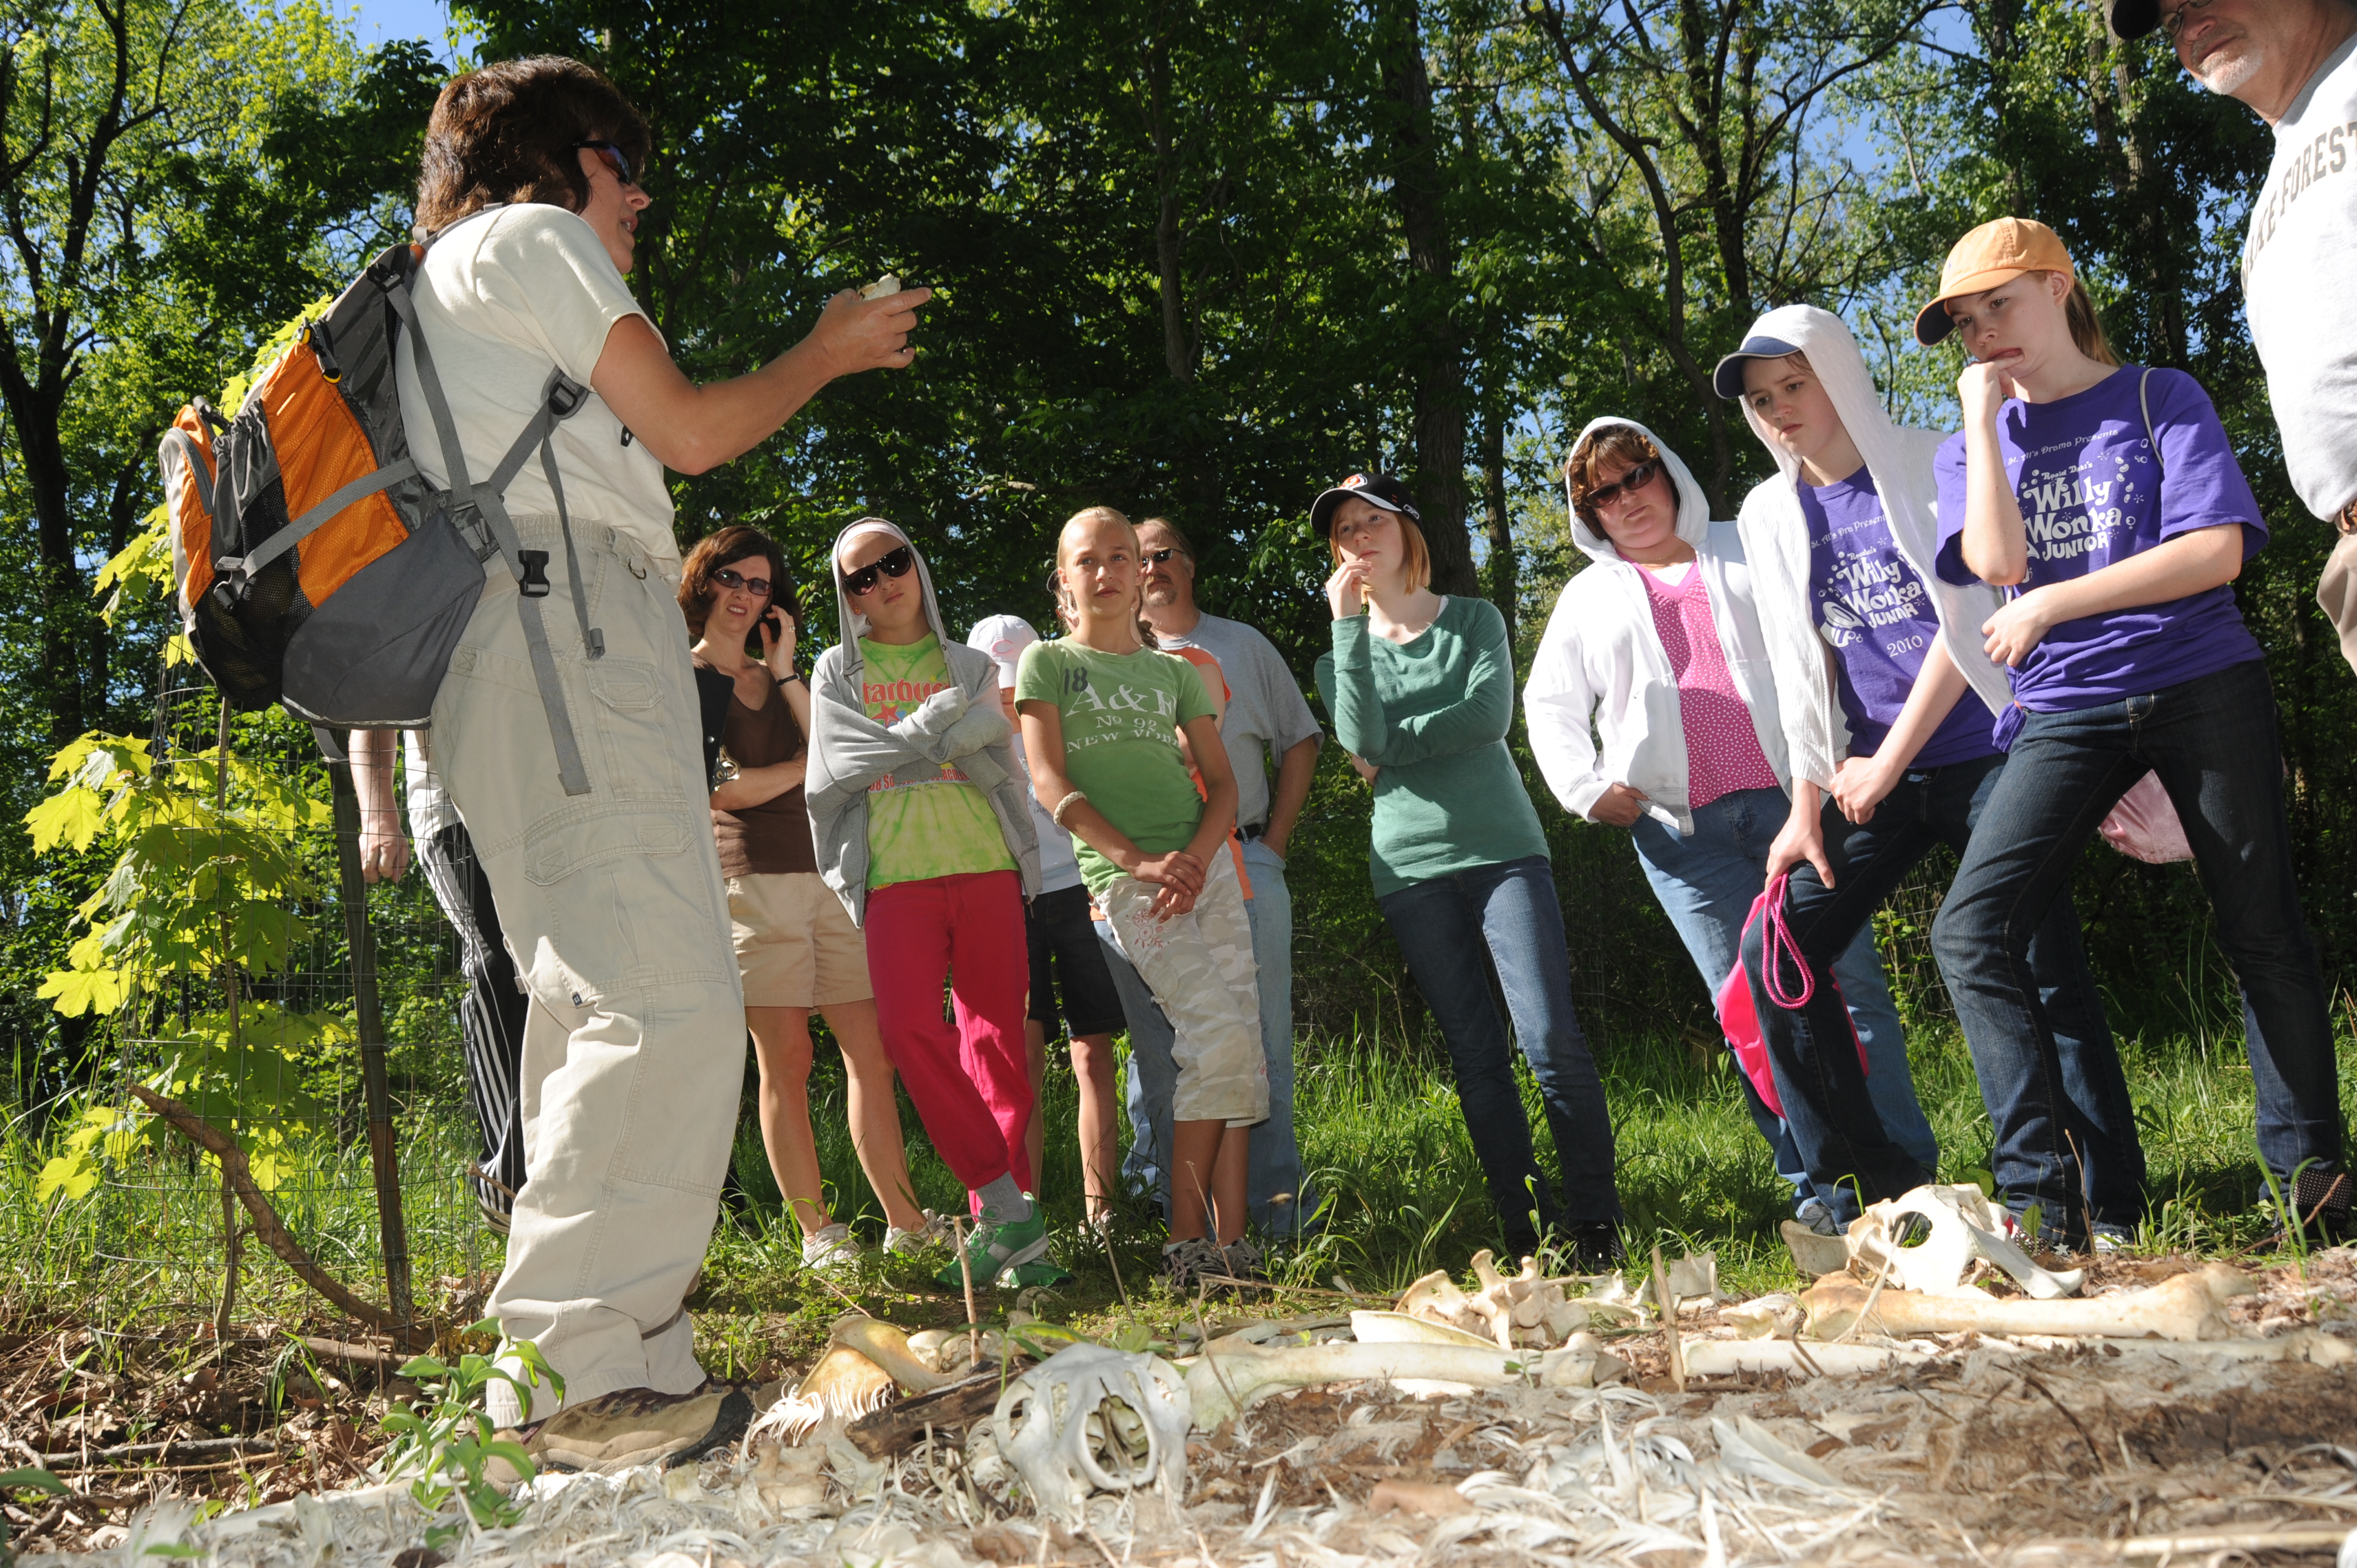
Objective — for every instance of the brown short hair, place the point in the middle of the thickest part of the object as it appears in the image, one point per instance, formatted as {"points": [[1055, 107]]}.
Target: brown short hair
{"points": [[505, 133], [1415, 555], [1186, 545], [1622, 443], [726, 547]]}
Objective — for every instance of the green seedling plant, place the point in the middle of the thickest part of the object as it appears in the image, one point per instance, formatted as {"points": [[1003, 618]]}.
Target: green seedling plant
{"points": [[24, 1481], [444, 1445]]}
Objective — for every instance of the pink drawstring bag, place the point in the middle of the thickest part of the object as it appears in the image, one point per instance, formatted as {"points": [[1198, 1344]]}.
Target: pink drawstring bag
{"points": [[2145, 824], [1740, 1019]]}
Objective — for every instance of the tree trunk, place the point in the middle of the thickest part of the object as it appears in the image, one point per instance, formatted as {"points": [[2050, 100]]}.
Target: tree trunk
{"points": [[1438, 355], [1504, 575]]}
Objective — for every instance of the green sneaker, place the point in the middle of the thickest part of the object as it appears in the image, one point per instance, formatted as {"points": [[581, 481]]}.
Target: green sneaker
{"points": [[993, 1250], [1042, 1271]]}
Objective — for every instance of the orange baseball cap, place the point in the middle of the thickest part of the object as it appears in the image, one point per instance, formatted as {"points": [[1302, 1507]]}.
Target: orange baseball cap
{"points": [[1994, 254]]}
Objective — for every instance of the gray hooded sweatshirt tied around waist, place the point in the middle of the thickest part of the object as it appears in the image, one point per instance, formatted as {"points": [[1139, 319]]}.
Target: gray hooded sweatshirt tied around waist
{"points": [[851, 753]]}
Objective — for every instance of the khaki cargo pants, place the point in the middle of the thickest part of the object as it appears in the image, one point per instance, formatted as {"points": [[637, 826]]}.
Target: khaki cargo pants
{"points": [[1199, 967], [617, 917]]}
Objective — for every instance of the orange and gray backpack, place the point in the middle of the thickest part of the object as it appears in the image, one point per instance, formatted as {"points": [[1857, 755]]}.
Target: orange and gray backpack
{"points": [[317, 568]]}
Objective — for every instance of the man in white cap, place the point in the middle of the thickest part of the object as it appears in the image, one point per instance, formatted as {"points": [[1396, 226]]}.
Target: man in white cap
{"points": [[1267, 722], [2294, 64]]}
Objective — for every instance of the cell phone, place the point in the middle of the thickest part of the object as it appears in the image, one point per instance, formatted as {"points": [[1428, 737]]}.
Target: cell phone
{"points": [[774, 620]]}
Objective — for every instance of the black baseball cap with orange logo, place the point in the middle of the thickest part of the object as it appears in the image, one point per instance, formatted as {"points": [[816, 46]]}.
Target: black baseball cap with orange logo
{"points": [[1379, 490]]}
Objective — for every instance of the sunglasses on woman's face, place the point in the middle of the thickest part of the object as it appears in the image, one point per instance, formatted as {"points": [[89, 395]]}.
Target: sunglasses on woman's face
{"points": [[612, 156], [892, 564], [729, 578], [1638, 477]]}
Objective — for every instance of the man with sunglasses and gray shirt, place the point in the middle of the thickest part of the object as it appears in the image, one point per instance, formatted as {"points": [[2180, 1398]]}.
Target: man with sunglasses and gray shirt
{"points": [[1267, 723], [2294, 64]]}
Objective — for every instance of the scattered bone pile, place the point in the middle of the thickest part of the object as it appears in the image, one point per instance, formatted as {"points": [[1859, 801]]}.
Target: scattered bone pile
{"points": [[1895, 1411]]}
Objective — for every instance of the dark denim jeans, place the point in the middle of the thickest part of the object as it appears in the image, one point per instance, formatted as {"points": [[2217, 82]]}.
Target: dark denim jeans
{"points": [[1454, 930], [2215, 745], [1849, 1157]]}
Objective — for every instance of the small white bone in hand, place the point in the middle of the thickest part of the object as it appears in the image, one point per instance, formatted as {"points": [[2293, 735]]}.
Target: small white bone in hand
{"points": [[886, 284]]}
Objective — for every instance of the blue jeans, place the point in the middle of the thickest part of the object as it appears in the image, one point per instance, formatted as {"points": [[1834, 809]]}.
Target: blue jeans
{"points": [[1454, 930], [2214, 743], [1707, 883], [1850, 1158], [1152, 1076]]}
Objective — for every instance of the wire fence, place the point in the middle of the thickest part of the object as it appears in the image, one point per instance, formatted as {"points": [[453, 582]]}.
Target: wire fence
{"points": [[337, 1072]]}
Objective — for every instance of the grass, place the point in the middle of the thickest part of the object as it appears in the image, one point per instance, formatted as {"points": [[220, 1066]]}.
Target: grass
{"points": [[1381, 1132]]}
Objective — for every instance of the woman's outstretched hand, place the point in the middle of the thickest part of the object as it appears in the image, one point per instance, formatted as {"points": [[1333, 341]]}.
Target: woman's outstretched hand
{"points": [[1342, 589], [855, 334]]}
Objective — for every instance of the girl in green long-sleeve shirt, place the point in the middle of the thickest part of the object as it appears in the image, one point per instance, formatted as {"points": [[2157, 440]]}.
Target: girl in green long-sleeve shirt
{"points": [[1422, 689]]}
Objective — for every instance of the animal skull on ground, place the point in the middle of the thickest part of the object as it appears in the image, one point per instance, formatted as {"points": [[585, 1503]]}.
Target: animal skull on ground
{"points": [[2187, 1307], [1092, 1419]]}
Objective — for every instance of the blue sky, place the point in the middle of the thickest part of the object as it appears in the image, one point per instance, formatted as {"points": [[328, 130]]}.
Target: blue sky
{"points": [[375, 21]]}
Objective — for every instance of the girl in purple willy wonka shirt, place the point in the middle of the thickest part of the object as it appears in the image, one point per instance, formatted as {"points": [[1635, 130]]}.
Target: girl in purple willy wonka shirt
{"points": [[2106, 499]]}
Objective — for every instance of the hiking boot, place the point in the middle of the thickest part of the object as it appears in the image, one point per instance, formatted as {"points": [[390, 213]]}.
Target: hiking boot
{"points": [[934, 1232], [830, 1247], [1593, 1249], [630, 1427], [2322, 1200], [1818, 1216], [996, 1251], [1184, 1263]]}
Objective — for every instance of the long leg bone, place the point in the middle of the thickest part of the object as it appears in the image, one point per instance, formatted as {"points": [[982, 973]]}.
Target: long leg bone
{"points": [[1054, 1422], [1222, 1386], [2186, 1308]]}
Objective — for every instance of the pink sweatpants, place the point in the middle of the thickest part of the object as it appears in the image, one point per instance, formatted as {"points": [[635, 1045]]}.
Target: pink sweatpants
{"points": [[971, 1083]]}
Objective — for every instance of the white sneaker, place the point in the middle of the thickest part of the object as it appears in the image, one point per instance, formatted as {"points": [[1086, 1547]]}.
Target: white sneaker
{"points": [[934, 1232], [830, 1247]]}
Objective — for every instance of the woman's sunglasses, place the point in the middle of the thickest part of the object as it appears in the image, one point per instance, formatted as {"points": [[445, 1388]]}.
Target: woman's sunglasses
{"points": [[729, 578], [612, 156], [1639, 475], [892, 564]]}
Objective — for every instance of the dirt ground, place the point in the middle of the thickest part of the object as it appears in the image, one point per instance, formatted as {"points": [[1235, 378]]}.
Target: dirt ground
{"points": [[1989, 1452]]}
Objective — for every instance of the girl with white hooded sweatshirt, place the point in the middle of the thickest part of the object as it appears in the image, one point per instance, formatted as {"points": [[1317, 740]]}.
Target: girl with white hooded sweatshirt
{"points": [[923, 826], [1658, 646], [1889, 702]]}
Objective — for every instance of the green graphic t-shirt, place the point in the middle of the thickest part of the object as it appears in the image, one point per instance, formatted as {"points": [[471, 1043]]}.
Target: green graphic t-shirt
{"points": [[924, 821], [1122, 714]]}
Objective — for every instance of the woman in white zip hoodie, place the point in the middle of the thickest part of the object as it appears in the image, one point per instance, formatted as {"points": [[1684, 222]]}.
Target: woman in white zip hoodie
{"points": [[1604, 661], [1889, 702]]}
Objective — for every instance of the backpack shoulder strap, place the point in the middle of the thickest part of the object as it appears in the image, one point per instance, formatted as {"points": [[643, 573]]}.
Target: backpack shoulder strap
{"points": [[2143, 403]]}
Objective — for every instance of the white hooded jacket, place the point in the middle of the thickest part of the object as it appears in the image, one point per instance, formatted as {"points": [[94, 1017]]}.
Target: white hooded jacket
{"points": [[1600, 662], [1776, 539]]}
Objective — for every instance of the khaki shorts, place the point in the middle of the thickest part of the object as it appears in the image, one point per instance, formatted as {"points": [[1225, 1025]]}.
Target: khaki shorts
{"points": [[796, 947]]}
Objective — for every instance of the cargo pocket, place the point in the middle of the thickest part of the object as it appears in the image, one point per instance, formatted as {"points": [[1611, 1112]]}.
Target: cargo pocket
{"points": [[622, 898], [634, 731]]}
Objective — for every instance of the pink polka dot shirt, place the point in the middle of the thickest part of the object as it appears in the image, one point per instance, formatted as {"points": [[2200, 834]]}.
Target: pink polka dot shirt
{"points": [[1723, 751]]}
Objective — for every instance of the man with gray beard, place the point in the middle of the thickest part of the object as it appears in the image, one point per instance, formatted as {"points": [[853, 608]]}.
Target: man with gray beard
{"points": [[2294, 64]]}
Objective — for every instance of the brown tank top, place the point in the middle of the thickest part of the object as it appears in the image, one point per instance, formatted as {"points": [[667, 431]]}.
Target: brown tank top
{"points": [[773, 837]]}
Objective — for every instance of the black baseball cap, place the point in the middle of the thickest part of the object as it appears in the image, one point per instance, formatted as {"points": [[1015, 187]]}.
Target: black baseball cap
{"points": [[2135, 18], [1728, 380], [1380, 490]]}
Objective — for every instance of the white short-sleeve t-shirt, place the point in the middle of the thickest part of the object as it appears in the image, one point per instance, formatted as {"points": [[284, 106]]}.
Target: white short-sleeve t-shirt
{"points": [[504, 297]]}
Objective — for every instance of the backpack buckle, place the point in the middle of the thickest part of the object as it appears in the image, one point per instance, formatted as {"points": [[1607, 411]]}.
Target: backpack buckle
{"points": [[566, 396], [533, 585]]}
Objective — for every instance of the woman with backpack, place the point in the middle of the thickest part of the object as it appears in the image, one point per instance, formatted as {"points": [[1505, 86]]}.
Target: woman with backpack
{"points": [[2106, 500], [1658, 647], [612, 895], [797, 952], [1422, 689], [924, 830]]}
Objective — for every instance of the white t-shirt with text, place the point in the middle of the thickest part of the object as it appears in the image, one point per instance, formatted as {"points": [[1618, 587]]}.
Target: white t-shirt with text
{"points": [[2296, 263]]}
